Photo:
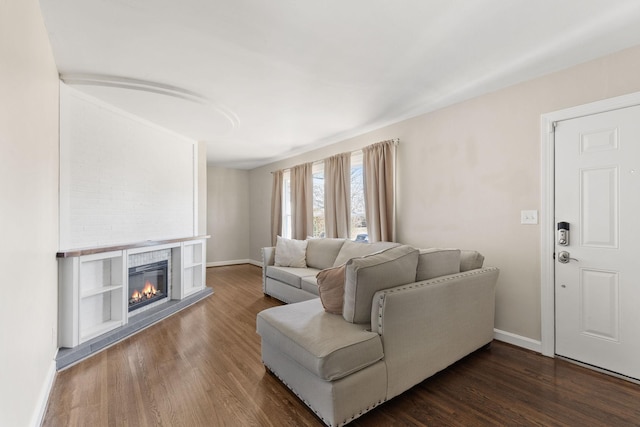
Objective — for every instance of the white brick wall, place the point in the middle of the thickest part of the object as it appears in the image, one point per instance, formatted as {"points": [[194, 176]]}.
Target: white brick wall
{"points": [[122, 180], [136, 260]]}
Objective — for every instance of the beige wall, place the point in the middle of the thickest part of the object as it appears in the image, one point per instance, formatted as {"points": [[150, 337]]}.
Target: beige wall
{"points": [[465, 172], [228, 215], [28, 212]]}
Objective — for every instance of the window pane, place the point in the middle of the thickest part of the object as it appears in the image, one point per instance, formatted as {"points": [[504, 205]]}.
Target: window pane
{"points": [[318, 200], [358, 216]]}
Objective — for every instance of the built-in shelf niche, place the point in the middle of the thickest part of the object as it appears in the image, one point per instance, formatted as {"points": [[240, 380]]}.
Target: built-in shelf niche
{"points": [[192, 268]]}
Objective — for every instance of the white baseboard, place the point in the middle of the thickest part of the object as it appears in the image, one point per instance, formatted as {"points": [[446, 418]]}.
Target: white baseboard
{"points": [[518, 340], [233, 262], [43, 398]]}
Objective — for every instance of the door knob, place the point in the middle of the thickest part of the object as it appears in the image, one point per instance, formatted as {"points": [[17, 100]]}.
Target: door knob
{"points": [[564, 257]]}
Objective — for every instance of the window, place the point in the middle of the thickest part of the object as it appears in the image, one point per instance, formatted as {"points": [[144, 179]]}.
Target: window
{"points": [[318, 200], [358, 229], [358, 215]]}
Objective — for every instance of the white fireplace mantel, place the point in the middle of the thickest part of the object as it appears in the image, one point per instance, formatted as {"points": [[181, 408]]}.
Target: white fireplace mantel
{"points": [[92, 284]]}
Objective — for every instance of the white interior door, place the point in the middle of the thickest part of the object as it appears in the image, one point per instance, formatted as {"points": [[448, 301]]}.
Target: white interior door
{"points": [[597, 191]]}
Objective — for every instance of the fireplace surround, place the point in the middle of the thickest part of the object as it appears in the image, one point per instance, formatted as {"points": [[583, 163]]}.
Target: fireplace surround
{"points": [[94, 291], [148, 284], [149, 279]]}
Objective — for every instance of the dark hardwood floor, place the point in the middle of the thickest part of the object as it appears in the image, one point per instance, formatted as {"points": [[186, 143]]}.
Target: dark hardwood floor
{"points": [[201, 367]]}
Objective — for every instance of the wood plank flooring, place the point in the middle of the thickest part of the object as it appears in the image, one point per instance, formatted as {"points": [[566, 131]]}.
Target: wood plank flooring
{"points": [[201, 367]]}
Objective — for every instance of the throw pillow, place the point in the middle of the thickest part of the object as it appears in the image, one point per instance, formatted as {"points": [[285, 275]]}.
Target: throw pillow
{"points": [[331, 288], [367, 275], [437, 262], [290, 253]]}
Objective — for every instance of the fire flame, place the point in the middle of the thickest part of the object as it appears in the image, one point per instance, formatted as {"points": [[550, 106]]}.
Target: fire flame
{"points": [[148, 292]]}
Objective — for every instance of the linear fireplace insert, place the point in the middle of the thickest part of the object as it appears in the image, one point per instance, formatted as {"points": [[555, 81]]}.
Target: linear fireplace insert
{"points": [[148, 283]]}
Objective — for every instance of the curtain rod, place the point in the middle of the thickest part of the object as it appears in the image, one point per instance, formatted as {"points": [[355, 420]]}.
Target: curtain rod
{"points": [[396, 141]]}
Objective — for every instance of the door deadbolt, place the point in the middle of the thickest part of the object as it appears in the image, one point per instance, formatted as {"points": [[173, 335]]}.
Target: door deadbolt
{"points": [[563, 233]]}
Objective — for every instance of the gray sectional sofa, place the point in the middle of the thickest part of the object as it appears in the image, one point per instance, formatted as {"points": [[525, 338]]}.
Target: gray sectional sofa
{"points": [[406, 314]]}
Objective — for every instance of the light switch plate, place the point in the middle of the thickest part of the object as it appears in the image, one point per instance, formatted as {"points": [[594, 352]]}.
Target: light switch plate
{"points": [[528, 217]]}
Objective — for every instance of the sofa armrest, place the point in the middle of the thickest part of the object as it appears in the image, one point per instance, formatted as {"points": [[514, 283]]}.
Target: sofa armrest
{"points": [[268, 255], [268, 258], [426, 326]]}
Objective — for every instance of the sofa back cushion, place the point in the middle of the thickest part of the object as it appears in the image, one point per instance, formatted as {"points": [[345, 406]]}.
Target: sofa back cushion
{"points": [[290, 253], [367, 275], [437, 262], [322, 253], [470, 260], [354, 250]]}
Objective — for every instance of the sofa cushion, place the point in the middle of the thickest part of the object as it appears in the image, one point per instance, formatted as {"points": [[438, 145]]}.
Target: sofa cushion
{"points": [[437, 262], [331, 288], [321, 342], [290, 253], [367, 275], [290, 275], [470, 260], [354, 250], [322, 253], [309, 284]]}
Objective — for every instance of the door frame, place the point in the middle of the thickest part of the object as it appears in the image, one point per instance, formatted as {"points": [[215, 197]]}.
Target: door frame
{"points": [[547, 205]]}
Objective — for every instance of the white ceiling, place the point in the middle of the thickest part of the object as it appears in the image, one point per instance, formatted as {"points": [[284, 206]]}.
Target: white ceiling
{"points": [[263, 80]]}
